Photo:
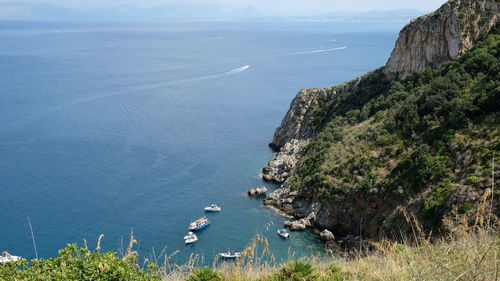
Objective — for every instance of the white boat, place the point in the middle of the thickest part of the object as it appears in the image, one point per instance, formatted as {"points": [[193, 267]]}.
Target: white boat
{"points": [[6, 257], [283, 233], [190, 238], [230, 254], [213, 208]]}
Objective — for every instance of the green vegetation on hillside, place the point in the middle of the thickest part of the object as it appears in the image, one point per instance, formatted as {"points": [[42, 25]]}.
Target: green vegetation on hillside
{"points": [[436, 129], [82, 264]]}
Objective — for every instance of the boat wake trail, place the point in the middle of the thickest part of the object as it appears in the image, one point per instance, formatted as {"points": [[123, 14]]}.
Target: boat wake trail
{"points": [[316, 51], [238, 70], [155, 86], [306, 52], [213, 76], [143, 89]]}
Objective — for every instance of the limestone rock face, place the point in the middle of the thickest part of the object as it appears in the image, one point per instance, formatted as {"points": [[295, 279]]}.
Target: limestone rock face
{"points": [[275, 195], [279, 168], [306, 112], [296, 124], [431, 40]]}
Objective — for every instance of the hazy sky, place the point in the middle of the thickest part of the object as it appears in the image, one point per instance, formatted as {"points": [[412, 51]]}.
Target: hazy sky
{"points": [[282, 6]]}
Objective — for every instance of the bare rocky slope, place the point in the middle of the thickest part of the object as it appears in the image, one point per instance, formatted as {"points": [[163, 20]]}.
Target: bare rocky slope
{"points": [[358, 202]]}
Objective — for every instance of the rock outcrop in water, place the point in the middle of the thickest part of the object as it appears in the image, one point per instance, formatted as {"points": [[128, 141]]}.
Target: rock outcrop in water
{"points": [[426, 42], [257, 191]]}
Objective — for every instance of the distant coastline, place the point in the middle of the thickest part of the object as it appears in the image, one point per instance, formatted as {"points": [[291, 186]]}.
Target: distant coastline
{"points": [[190, 12]]}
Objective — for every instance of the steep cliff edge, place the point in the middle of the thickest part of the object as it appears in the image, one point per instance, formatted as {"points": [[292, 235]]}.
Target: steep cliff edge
{"points": [[431, 40], [309, 110], [381, 147]]}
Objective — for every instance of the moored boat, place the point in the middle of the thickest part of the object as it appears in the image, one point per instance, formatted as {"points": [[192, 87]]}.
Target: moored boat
{"points": [[283, 233], [6, 257], [199, 224], [213, 208], [190, 238], [230, 254]]}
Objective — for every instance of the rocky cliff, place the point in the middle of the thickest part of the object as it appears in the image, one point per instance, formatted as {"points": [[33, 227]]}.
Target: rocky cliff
{"points": [[431, 40], [308, 113], [359, 157]]}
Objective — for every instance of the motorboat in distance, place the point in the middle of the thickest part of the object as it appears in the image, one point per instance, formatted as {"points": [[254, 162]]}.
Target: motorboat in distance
{"points": [[230, 254], [213, 208], [190, 238], [283, 233], [6, 257]]}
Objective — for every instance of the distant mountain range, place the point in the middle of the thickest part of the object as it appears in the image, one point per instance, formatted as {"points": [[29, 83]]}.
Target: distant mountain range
{"points": [[24, 10], [375, 15], [46, 11]]}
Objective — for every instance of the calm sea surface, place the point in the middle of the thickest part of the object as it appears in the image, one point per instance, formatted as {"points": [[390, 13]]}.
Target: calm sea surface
{"points": [[114, 127]]}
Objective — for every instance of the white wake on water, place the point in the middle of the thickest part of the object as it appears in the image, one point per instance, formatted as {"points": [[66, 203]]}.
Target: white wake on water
{"points": [[158, 85], [322, 50], [238, 70], [317, 51]]}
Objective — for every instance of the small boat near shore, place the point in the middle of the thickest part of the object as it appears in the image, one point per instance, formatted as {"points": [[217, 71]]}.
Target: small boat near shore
{"points": [[190, 238], [199, 224], [283, 233], [6, 257], [213, 208], [230, 254]]}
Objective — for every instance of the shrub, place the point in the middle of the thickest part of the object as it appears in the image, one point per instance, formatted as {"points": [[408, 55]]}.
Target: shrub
{"points": [[435, 204], [335, 273], [464, 208], [79, 264], [205, 274], [297, 270]]}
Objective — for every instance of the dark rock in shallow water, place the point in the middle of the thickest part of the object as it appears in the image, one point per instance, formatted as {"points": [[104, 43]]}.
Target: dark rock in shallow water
{"points": [[257, 191], [327, 235]]}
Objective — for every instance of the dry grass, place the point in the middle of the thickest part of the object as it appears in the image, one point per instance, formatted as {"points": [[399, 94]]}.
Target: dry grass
{"points": [[464, 256]]}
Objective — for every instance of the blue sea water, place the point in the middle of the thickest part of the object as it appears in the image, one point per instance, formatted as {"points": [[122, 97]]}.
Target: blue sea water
{"points": [[113, 127]]}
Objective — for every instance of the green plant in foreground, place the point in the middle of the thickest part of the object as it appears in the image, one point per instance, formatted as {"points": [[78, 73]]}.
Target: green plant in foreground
{"points": [[79, 264], [205, 274], [335, 273], [296, 270]]}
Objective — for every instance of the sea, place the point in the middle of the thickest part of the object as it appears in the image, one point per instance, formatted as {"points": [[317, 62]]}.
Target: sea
{"points": [[128, 127]]}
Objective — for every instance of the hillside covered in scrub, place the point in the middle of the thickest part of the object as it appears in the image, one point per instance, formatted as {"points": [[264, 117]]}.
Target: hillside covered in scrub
{"points": [[418, 136]]}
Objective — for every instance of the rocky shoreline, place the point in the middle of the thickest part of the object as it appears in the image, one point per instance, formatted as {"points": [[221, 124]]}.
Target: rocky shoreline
{"points": [[280, 167], [278, 170], [282, 199]]}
